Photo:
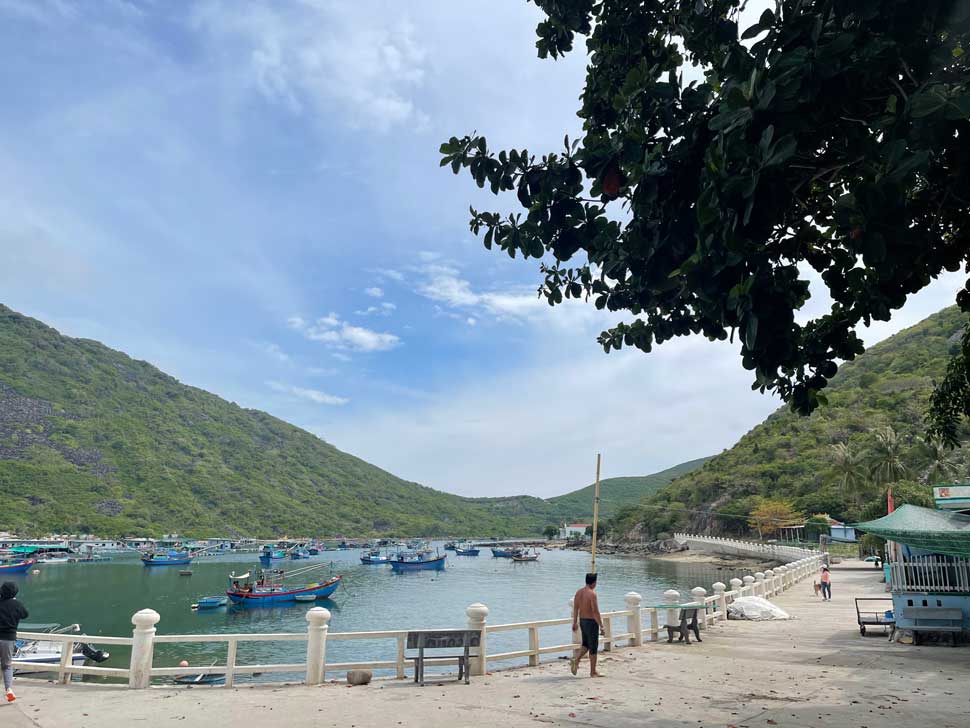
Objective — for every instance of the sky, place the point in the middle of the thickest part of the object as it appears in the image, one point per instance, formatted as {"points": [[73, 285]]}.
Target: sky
{"points": [[247, 195]]}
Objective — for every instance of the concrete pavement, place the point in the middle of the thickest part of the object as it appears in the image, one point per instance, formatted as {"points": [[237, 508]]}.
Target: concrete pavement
{"points": [[811, 671]]}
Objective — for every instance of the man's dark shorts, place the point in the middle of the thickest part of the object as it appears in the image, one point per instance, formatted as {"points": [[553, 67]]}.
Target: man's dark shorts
{"points": [[591, 635]]}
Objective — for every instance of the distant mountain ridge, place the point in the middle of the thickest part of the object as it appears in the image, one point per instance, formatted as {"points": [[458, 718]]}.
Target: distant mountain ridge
{"points": [[94, 441]]}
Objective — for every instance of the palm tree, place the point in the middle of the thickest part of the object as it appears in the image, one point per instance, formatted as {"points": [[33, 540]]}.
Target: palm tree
{"points": [[942, 465], [886, 457], [850, 467]]}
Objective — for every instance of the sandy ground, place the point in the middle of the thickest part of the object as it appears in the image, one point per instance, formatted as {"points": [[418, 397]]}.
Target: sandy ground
{"points": [[812, 671]]}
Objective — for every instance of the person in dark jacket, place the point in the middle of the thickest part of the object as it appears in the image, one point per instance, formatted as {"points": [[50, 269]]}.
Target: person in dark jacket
{"points": [[11, 612]]}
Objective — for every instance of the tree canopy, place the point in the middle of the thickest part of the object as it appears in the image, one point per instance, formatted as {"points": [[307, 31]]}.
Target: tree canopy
{"points": [[719, 166]]}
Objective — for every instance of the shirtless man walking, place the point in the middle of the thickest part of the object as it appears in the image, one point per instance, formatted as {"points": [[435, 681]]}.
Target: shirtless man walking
{"points": [[586, 618]]}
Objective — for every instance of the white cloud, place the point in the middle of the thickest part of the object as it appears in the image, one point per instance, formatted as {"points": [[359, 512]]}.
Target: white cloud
{"points": [[276, 352], [296, 322], [374, 292], [324, 58], [330, 330], [385, 309], [394, 275], [313, 395], [470, 321]]}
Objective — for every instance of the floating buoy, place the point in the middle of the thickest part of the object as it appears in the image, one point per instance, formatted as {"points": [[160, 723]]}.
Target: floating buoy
{"points": [[35, 571]]}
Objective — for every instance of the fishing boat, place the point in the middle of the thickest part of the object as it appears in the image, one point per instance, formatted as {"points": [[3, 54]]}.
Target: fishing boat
{"points": [[299, 553], [466, 552], [525, 556], [41, 653], [313, 551], [172, 558], [268, 587], [17, 567], [268, 553], [213, 602], [374, 557], [414, 561], [450, 546], [499, 553]]}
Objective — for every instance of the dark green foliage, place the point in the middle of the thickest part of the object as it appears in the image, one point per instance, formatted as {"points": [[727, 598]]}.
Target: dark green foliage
{"points": [[94, 441], [835, 137], [791, 457]]}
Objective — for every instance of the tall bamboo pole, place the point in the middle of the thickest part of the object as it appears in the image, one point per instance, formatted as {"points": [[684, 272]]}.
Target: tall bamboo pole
{"points": [[596, 514]]}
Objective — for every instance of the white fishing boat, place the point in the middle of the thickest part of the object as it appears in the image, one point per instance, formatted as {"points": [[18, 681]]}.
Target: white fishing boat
{"points": [[43, 653]]}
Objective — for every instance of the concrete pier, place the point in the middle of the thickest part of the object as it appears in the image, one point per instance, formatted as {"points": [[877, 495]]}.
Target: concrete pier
{"points": [[812, 671]]}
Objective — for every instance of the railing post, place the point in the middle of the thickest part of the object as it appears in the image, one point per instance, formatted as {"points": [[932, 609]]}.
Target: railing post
{"points": [[654, 625], [672, 596], [533, 646], [748, 585], [401, 645], [142, 648], [607, 634], [721, 613], [700, 593], [67, 657], [736, 585], [633, 623], [785, 580], [233, 646], [477, 614], [759, 583], [318, 624]]}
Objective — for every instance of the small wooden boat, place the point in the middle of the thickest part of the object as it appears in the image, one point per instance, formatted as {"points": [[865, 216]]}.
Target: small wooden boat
{"points": [[205, 678], [417, 561], [525, 557], [451, 546], [43, 654], [170, 559], [503, 553], [17, 567], [374, 557], [213, 602], [466, 552]]}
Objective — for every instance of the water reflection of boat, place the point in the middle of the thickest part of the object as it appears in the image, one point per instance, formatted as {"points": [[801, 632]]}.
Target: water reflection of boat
{"points": [[41, 653], [268, 587]]}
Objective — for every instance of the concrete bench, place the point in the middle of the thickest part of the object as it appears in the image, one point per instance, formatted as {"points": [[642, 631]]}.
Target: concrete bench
{"points": [[935, 619], [443, 639]]}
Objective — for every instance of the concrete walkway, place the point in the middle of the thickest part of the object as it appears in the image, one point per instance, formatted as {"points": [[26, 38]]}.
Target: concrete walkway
{"points": [[812, 671]]}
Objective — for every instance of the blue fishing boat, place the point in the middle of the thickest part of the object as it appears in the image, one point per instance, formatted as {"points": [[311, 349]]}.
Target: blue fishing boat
{"points": [[17, 567], [269, 588], [172, 558], [466, 552], [313, 551], [413, 561], [299, 553], [268, 553], [374, 557], [503, 553]]}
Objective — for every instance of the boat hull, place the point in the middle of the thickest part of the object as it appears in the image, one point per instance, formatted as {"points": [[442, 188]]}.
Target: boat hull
{"points": [[501, 554], [466, 552], [370, 560], [20, 567], [166, 562], [438, 563], [261, 599]]}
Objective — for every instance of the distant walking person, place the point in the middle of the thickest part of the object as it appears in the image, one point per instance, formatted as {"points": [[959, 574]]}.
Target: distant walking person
{"points": [[11, 612], [586, 619], [826, 584]]}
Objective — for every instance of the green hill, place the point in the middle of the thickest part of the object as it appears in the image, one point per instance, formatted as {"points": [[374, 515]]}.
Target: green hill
{"points": [[616, 493], [94, 441], [789, 456]]}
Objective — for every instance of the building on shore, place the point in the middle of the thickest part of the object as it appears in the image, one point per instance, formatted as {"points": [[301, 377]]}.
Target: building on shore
{"points": [[573, 530]]}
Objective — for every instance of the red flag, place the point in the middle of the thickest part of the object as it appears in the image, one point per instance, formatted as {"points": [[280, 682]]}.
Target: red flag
{"points": [[889, 501]]}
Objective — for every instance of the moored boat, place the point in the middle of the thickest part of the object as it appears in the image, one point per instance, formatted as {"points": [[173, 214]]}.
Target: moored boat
{"points": [[205, 678], [17, 567], [466, 552], [415, 561], [169, 559], [374, 557], [503, 553], [269, 588], [213, 602], [525, 556], [43, 655]]}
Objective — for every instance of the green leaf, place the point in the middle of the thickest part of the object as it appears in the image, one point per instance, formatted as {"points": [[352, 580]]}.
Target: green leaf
{"points": [[726, 121]]}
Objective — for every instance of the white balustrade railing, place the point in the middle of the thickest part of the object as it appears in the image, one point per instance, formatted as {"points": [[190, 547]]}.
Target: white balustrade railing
{"points": [[633, 626], [778, 552]]}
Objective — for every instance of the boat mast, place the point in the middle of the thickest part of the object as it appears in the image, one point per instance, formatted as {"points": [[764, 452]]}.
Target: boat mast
{"points": [[596, 514]]}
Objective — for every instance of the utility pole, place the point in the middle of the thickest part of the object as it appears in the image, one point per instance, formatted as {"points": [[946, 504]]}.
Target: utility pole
{"points": [[596, 514]]}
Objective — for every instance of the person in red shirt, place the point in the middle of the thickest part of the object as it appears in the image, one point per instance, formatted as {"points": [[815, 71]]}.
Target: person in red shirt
{"points": [[826, 580], [587, 619]]}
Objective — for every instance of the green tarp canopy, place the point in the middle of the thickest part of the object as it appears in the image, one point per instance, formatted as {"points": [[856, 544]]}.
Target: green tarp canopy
{"points": [[25, 549], [924, 528]]}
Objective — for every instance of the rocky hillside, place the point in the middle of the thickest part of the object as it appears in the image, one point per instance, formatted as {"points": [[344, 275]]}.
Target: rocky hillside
{"points": [[94, 441], [789, 456]]}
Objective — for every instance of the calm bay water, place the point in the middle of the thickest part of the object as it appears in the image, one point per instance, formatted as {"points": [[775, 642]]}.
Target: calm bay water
{"points": [[102, 597]]}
